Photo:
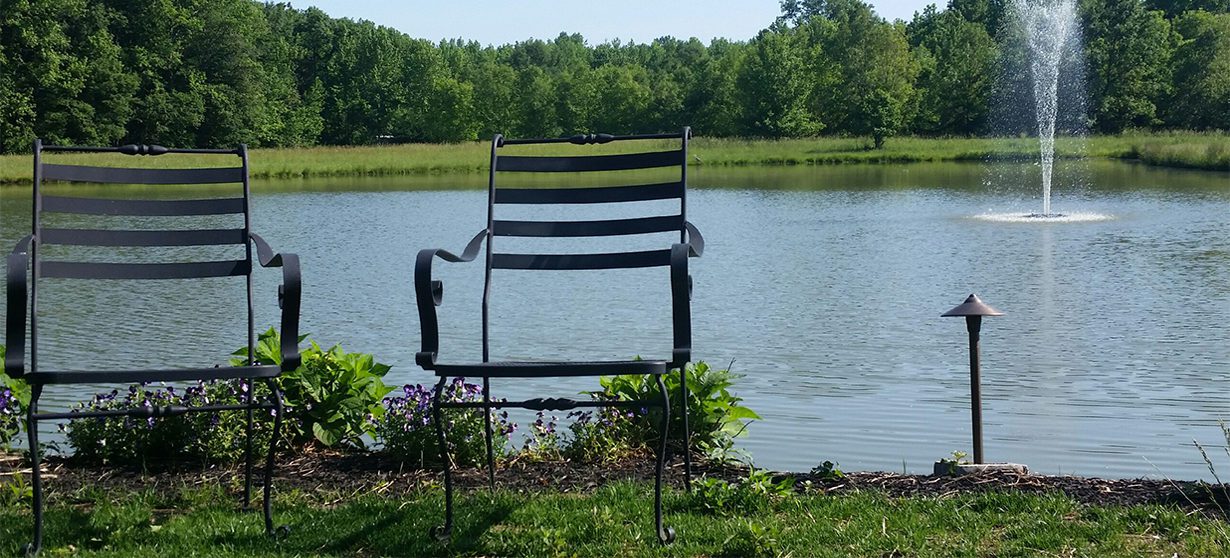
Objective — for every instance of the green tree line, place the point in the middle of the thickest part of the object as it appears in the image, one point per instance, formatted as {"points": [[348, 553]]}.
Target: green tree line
{"points": [[221, 72]]}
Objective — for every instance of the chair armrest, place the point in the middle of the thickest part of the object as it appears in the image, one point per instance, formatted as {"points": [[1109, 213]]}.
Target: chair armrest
{"points": [[696, 242], [290, 293], [429, 294], [16, 315], [681, 304]]}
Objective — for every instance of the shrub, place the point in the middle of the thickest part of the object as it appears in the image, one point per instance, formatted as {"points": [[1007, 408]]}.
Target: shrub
{"points": [[332, 394], [406, 429], [206, 437], [715, 415]]}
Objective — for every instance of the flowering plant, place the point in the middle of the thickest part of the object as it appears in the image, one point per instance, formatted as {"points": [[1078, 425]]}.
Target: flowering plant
{"points": [[407, 430], [192, 436]]}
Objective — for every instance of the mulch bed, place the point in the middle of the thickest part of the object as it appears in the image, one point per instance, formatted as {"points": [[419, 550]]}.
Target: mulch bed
{"points": [[334, 475]]}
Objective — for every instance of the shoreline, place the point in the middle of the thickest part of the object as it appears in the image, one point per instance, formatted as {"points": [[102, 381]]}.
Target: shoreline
{"points": [[1201, 151]]}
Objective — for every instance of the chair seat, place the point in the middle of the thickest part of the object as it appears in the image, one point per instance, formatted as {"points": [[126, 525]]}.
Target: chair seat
{"points": [[169, 375], [529, 369]]}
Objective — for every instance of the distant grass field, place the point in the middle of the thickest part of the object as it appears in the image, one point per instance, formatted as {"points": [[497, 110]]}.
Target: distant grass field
{"points": [[1208, 151], [614, 520]]}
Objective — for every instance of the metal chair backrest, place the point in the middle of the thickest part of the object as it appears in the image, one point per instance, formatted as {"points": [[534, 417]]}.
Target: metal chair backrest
{"points": [[104, 223], [499, 197]]}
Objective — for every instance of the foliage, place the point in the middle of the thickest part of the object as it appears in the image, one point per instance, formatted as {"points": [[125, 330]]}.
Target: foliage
{"points": [[828, 471], [406, 430], [14, 396], [715, 415], [957, 60], [1202, 72], [331, 397], [202, 74], [204, 437], [1129, 53], [951, 466], [751, 495], [752, 540]]}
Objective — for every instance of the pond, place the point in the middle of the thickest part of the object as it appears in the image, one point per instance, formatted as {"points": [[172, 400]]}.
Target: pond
{"points": [[822, 285]]}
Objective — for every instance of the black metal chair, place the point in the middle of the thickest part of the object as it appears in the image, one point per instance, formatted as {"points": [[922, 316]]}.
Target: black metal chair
{"points": [[429, 292], [23, 297]]}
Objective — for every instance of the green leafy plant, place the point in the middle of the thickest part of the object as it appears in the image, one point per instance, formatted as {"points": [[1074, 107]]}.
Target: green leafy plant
{"points": [[828, 471], [952, 466], [752, 540], [406, 430], [14, 397], [15, 491], [753, 494], [715, 415], [331, 398]]}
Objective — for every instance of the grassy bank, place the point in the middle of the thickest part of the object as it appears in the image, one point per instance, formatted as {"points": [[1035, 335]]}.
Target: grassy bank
{"points": [[611, 521], [1189, 150]]}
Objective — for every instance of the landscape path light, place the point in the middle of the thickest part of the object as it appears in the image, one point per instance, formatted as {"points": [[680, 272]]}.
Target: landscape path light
{"points": [[973, 310]]}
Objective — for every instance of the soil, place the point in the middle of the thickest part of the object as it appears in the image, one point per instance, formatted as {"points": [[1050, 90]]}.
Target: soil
{"points": [[334, 475]]}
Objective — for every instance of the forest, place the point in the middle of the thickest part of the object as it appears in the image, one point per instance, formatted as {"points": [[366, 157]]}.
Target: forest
{"points": [[209, 73]]}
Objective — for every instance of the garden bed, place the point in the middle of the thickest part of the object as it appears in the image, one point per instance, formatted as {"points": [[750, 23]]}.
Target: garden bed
{"points": [[362, 472]]}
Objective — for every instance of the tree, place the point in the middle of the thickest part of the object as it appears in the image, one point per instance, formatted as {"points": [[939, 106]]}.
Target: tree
{"points": [[1128, 51], [1202, 71], [773, 87], [1173, 8], [957, 70], [872, 91]]}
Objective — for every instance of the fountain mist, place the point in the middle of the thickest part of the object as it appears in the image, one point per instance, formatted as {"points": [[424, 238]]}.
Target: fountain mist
{"points": [[1050, 31]]}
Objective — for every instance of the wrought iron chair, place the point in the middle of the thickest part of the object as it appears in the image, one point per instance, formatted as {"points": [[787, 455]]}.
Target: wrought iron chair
{"points": [[691, 244], [23, 297]]}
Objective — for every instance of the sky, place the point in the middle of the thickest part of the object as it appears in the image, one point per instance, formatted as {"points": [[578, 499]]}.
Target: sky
{"points": [[498, 22]]}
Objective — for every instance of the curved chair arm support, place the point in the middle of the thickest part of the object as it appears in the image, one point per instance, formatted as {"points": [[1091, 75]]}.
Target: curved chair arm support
{"points": [[429, 294], [696, 241], [15, 319], [290, 293], [681, 304]]}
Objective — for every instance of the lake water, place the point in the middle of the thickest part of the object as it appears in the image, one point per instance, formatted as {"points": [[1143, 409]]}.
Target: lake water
{"points": [[823, 285]]}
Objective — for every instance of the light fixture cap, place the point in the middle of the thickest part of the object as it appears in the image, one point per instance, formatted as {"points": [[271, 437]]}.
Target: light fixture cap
{"points": [[972, 306]]}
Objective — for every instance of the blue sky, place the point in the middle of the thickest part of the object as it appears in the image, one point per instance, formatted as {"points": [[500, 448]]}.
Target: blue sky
{"points": [[506, 21]]}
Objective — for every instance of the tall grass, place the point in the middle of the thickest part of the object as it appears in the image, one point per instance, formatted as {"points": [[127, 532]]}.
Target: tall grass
{"points": [[1209, 151]]}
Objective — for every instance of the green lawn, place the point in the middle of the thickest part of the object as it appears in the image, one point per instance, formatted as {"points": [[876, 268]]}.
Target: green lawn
{"points": [[1209, 151], [613, 521]]}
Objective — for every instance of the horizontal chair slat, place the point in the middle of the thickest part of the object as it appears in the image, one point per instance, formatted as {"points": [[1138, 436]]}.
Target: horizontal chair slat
{"points": [[186, 270], [589, 228], [103, 237], [588, 163], [169, 208], [619, 260], [120, 175], [647, 192]]}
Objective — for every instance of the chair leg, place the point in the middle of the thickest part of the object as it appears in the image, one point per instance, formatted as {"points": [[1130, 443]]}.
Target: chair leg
{"points": [[247, 451], [687, 431], [666, 535], [36, 474], [445, 532], [278, 409], [488, 433]]}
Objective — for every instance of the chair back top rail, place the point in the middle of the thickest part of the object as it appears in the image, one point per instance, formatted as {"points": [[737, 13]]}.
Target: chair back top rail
{"points": [[135, 149], [584, 139]]}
